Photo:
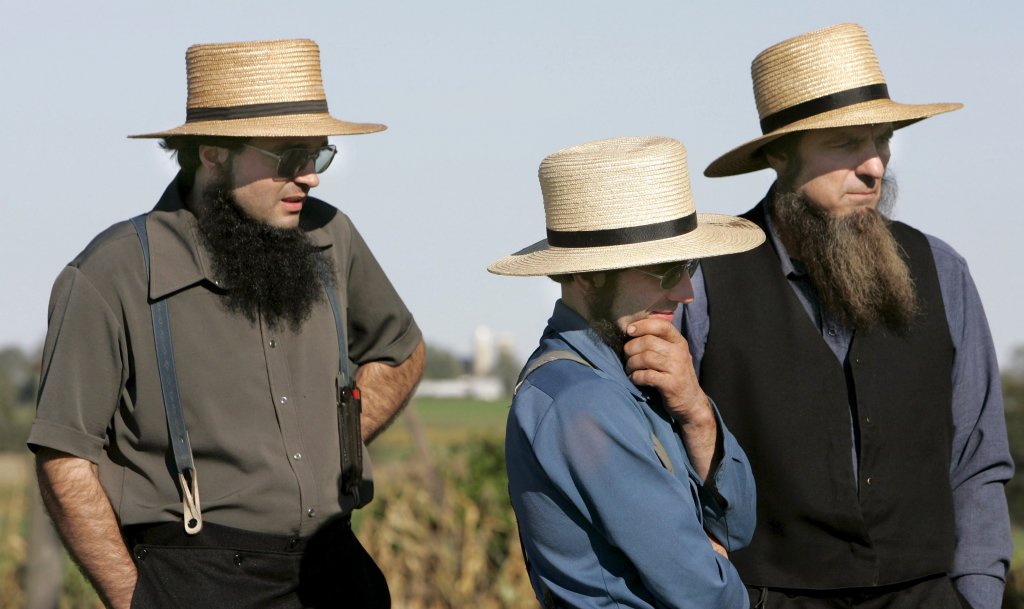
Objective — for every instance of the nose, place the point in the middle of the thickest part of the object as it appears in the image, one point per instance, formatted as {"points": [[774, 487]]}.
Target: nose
{"points": [[872, 167], [873, 164], [308, 176], [682, 292]]}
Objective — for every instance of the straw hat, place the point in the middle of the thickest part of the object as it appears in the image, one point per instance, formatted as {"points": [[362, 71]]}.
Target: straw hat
{"points": [[827, 78], [622, 203], [258, 89]]}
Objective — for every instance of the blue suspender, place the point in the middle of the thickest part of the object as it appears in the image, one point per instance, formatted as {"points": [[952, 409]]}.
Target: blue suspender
{"points": [[172, 400], [342, 343]]}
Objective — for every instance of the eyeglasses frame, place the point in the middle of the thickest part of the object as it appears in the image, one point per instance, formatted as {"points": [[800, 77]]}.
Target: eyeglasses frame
{"points": [[311, 155], [689, 268]]}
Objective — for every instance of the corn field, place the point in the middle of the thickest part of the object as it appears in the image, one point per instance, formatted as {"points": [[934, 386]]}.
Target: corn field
{"points": [[446, 538]]}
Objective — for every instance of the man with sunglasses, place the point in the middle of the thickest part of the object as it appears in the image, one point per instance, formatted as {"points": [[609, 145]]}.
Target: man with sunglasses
{"points": [[198, 431], [629, 490]]}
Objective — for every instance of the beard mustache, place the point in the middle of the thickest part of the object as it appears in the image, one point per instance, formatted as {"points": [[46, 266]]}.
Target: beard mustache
{"points": [[267, 271], [602, 324], [853, 260]]}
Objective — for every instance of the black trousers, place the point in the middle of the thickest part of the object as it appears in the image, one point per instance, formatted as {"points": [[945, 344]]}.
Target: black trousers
{"points": [[928, 593], [229, 568]]}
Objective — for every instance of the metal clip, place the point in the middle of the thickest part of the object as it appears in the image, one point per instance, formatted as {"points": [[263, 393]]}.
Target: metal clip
{"points": [[190, 503]]}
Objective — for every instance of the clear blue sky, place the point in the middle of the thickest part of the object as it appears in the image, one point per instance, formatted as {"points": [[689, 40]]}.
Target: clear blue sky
{"points": [[475, 95]]}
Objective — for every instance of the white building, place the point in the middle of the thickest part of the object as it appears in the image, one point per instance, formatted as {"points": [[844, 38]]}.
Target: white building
{"points": [[476, 387]]}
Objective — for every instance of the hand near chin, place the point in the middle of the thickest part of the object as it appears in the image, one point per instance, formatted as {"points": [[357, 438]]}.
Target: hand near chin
{"points": [[658, 356]]}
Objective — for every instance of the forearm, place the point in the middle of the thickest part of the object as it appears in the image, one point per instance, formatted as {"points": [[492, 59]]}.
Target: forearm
{"points": [[699, 433], [79, 507], [386, 390]]}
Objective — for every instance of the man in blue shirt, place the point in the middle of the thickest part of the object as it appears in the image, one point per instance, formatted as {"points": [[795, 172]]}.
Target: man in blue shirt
{"points": [[862, 380], [629, 490]]}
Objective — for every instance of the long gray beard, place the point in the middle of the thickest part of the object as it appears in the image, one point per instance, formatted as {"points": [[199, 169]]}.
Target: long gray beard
{"points": [[854, 261]]}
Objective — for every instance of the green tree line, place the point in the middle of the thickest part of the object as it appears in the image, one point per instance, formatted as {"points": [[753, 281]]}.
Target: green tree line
{"points": [[19, 377]]}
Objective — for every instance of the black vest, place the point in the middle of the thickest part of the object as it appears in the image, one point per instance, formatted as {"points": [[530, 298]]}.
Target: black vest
{"points": [[784, 395]]}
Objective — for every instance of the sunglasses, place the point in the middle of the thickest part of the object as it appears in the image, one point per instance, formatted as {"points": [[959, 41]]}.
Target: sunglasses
{"points": [[292, 162], [674, 275]]}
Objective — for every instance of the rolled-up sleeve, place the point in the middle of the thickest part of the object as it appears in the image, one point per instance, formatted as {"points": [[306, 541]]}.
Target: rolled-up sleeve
{"points": [[82, 374]]}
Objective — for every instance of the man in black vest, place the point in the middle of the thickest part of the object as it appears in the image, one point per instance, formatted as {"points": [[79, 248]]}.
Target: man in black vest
{"points": [[850, 356]]}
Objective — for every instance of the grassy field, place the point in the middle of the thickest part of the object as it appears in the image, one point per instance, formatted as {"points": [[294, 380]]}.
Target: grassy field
{"points": [[444, 423]]}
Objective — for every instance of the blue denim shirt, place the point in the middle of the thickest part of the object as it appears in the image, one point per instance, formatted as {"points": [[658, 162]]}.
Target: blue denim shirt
{"points": [[604, 523], [981, 462]]}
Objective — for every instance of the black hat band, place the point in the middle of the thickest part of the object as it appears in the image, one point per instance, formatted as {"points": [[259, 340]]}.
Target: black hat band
{"points": [[623, 236], [823, 104]]}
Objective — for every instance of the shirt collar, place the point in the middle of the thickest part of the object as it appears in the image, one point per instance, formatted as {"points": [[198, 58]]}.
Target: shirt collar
{"points": [[177, 257], [568, 326]]}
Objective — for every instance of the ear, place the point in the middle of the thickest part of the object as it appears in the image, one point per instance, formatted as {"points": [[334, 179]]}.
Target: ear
{"points": [[777, 161], [589, 283], [213, 156]]}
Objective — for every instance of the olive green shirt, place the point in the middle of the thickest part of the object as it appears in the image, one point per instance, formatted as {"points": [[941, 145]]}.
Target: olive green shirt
{"points": [[259, 403]]}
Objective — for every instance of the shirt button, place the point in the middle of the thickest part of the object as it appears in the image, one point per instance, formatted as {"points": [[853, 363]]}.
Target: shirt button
{"points": [[831, 331], [273, 343], [868, 481], [867, 419], [283, 400], [311, 513], [297, 456]]}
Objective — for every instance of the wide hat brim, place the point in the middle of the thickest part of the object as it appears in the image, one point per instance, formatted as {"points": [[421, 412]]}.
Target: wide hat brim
{"points": [[294, 125], [749, 156], [715, 235]]}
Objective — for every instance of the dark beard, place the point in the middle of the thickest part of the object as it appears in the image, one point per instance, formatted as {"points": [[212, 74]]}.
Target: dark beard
{"points": [[601, 322], [854, 261], [267, 271]]}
